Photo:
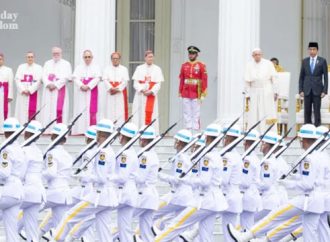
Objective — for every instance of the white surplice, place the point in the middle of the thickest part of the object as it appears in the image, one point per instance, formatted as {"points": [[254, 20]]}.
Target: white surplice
{"points": [[6, 83]]}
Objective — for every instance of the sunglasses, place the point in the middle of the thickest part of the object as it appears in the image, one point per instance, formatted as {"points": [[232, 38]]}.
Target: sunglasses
{"points": [[87, 57]]}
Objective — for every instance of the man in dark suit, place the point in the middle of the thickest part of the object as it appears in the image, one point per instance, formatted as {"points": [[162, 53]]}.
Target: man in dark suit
{"points": [[311, 84]]}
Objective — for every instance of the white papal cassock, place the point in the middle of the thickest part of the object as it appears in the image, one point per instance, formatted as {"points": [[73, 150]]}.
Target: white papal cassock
{"points": [[116, 105], [89, 75], [260, 83], [145, 108], [6, 91], [57, 101], [28, 78]]}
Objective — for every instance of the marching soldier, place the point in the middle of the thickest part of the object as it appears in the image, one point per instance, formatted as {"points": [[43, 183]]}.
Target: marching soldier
{"points": [[192, 88], [211, 199], [96, 205], [34, 191], [12, 169], [146, 179], [180, 196], [57, 173]]}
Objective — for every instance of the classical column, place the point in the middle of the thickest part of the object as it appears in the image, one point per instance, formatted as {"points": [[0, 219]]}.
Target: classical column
{"points": [[238, 35], [95, 29]]}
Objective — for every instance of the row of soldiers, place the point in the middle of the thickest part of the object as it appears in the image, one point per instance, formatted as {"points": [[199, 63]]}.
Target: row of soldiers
{"points": [[205, 184]]}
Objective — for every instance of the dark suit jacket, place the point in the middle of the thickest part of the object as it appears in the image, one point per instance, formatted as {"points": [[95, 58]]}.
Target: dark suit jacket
{"points": [[312, 82]]}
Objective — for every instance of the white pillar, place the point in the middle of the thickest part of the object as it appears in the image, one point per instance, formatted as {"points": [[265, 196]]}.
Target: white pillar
{"points": [[95, 29], [238, 34]]}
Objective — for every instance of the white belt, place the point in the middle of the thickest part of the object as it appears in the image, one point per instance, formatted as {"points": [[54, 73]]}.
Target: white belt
{"points": [[191, 81]]}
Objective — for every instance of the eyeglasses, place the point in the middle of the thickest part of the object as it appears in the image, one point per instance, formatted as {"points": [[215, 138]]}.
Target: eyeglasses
{"points": [[87, 57], [115, 58], [29, 57]]}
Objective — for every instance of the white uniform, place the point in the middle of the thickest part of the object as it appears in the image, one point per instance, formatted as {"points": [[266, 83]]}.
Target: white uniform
{"points": [[57, 173], [85, 75], [28, 78], [210, 201], [115, 106], [181, 194], [126, 166], [12, 170], [96, 206], [260, 87], [34, 191], [249, 187], [56, 101], [146, 108], [6, 91], [148, 199], [232, 172]]}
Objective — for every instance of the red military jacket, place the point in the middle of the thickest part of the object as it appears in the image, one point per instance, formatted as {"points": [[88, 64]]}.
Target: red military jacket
{"points": [[193, 80]]}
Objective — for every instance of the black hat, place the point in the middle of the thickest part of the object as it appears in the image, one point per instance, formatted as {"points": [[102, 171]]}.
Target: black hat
{"points": [[193, 49], [313, 45]]}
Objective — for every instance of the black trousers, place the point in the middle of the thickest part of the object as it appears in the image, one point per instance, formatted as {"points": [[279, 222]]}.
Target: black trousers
{"points": [[314, 100]]}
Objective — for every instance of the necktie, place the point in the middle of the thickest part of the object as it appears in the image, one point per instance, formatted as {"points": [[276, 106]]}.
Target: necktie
{"points": [[312, 65]]}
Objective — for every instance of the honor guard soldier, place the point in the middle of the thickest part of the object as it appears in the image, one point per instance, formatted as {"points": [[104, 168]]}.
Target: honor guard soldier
{"points": [[124, 178], [34, 191], [12, 169], [57, 173], [249, 183], [146, 180], [210, 201], [98, 204], [192, 88], [181, 194]]}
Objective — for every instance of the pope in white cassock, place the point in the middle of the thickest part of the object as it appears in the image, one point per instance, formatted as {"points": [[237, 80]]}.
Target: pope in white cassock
{"points": [[147, 79], [56, 74], [6, 90], [260, 85], [28, 82], [86, 78], [115, 78]]}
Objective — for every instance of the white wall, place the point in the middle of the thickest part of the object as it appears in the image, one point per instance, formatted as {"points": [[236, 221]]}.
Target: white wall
{"points": [[280, 36], [194, 22]]}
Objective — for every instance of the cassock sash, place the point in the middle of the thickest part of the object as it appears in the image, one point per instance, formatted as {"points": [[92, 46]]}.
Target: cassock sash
{"points": [[4, 85], [60, 98], [116, 84], [149, 109], [32, 97], [93, 101]]}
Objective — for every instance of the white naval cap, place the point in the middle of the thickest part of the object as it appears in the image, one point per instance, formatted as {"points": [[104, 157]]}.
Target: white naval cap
{"points": [[59, 129], [213, 130], [149, 133], [91, 132], [235, 131], [183, 135], [308, 131], [105, 125], [129, 130], [34, 127], [271, 138], [10, 125]]}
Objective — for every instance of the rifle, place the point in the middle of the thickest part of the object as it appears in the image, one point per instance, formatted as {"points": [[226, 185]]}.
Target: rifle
{"points": [[307, 152], [134, 139], [105, 143], [155, 141], [18, 132], [36, 136], [88, 147], [284, 148], [57, 140], [208, 148], [256, 143]]}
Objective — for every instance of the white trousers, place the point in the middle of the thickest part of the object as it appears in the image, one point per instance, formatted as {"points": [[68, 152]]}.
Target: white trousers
{"points": [[323, 228], [185, 220], [10, 209], [30, 221], [125, 220], [229, 218], [81, 217], [167, 209], [284, 229], [57, 213], [145, 223], [191, 113], [247, 219]]}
